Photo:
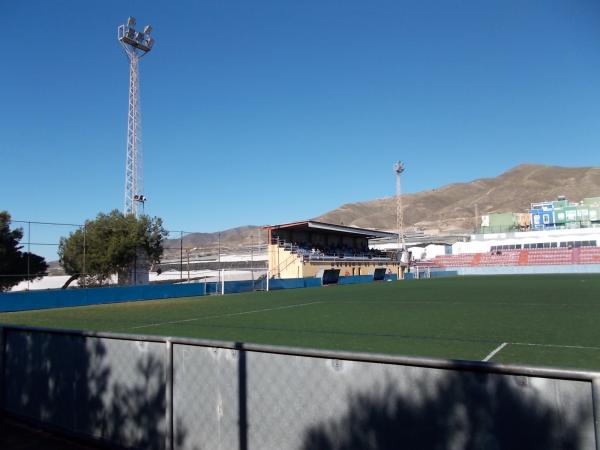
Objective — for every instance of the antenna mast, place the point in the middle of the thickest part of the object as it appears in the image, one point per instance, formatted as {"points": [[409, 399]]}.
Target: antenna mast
{"points": [[136, 45]]}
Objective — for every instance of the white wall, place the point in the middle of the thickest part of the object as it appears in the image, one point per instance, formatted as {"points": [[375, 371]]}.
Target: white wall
{"points": [[481, 243]]}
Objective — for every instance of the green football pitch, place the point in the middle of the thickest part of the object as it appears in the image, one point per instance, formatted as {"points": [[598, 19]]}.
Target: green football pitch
{"points": [[545, 320]]}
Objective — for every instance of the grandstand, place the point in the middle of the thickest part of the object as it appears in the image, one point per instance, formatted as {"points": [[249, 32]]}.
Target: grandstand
{"points": [[537, 257], [556, 236], [562, 249], [318, 249]]}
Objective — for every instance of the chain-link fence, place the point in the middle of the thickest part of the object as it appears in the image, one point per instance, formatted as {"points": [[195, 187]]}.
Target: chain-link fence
{"points": [[161, 393], [187, 257]]}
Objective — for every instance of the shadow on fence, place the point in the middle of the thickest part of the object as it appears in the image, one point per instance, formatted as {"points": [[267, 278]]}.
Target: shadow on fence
{"points": [[90, 387], [467, 411], [118, 390]]}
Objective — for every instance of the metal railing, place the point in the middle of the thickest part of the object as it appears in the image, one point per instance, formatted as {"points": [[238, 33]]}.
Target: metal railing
{"points": [[320, 255], [539, 227]]}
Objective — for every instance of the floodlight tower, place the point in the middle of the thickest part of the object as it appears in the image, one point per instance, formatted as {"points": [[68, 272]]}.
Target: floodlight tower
{"points": [[136, 45], [398, 169]]}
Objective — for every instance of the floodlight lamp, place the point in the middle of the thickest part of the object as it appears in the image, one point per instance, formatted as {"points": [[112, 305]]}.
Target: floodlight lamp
{"points": [[399, 167], [131, 21], [148, 29]]}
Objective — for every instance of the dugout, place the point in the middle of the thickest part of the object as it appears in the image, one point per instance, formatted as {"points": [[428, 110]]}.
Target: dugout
{"points": [[309, 248]]}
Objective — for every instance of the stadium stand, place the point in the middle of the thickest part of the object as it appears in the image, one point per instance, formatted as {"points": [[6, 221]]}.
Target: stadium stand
{"points": [[320, 253], [308, 248], [462, 260], [509, 258], [550, 256], [589, 255], [530, 257]]}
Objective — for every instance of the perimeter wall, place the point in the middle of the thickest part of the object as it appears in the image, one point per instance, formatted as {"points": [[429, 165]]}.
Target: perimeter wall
{"points": [[527, 270], [60, 298], [154, 393]]}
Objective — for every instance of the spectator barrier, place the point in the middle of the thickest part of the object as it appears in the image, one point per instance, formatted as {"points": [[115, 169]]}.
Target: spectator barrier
{"points": [[433, 273], [443, 273], [61, 298], [528, 270], [355, 279], [176, 394]]}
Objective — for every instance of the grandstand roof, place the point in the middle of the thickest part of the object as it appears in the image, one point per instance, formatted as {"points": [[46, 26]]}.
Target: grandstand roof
{"points": [[331, 228], [422, 239]]}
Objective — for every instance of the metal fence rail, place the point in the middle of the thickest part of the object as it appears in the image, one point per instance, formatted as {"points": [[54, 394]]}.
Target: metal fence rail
{"points": [[156, 392]]}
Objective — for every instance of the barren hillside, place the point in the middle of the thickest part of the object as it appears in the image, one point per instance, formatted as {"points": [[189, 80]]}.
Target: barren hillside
{"points": [[445, 209], [452, 207]]}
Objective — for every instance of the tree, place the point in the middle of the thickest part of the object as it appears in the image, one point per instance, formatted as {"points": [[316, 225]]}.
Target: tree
{"points": [[15, 265], [109, 245]]}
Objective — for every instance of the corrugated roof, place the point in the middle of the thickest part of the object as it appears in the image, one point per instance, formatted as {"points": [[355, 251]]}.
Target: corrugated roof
{"points": [[342, 229]]}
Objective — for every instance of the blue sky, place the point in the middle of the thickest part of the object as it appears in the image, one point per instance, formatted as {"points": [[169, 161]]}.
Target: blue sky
{"points": [[271, 111]]}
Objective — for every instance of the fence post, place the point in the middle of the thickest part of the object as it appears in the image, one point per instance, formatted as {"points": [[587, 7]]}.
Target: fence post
{"points": [[2, 371], [268, 265], [84, 252], [252, 260], [28, 253], [596, 409], [169, 396], [181, 256]]}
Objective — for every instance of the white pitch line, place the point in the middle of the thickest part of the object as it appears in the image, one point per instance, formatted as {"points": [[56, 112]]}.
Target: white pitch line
{"points": [[504, 344], [450, 302], [554, 345], [224, 315], [496, 350]]}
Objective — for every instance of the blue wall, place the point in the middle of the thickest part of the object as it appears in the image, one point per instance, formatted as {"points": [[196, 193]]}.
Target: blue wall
{"points": [[356, 279], [293, 283], [61, 298], [443, 273]]}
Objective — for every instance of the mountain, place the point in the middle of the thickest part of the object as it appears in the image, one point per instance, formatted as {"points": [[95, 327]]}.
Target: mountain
{"points": [[452, 207], [228, 240]]}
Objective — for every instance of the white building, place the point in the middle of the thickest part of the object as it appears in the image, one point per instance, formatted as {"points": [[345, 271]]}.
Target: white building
{"points": [[428, 247], [517, 240]]}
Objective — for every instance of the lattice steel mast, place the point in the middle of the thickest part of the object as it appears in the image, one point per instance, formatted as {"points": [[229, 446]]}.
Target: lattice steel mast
{"points": [[136, 45], [398, 169]]}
